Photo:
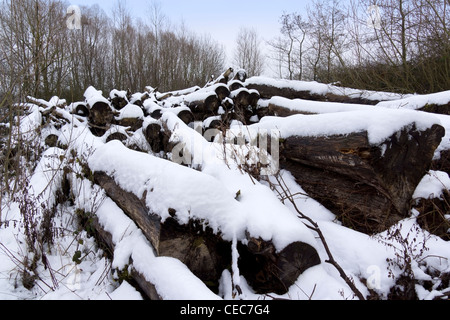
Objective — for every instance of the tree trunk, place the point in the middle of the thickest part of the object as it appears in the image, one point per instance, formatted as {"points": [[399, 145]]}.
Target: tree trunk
{"points": [[268, 271], [206, 254], [206, 107], [104, 238], [372, 186]]}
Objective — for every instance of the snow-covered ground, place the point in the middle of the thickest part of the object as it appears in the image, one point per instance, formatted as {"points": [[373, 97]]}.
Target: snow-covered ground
{"points": [[74, 267]]}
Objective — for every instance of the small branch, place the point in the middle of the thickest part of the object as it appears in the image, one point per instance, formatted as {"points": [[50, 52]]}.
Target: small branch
{"points": [[315, 227]]}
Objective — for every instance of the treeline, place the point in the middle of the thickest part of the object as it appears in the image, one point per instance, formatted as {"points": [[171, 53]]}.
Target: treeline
{"points": [[43, 55], [392, 45]]}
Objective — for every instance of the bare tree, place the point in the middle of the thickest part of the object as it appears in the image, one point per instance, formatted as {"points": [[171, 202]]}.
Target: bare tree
{"points": [[289, 49], [248, 54], [32, 35]]}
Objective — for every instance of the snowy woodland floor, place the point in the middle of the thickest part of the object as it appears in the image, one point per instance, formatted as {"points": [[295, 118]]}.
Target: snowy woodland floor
{"points": [[73, 266]]}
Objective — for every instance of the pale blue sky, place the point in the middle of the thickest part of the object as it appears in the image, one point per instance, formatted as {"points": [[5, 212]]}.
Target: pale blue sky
{"points": [[220, 19]]}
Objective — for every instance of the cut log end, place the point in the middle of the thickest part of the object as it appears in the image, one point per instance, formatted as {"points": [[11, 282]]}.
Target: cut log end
{"points": [[268, 271]]}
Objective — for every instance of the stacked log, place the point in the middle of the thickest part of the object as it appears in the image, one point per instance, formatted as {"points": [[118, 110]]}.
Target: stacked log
{"points": [[205, 252], [101, 113], [368, 186]]}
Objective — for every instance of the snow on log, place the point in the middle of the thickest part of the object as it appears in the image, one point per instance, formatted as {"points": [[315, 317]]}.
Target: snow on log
{"points": [[131, 116], [223, 78], [80, 109], [157, 277], [100, 111], [202, 104], [310, 90], [433, 103], [363, 165], [118, 99], [197, 225]]}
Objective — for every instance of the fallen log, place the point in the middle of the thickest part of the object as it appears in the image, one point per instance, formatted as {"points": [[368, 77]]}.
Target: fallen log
{"points": [[81, 109], [222, 91], [118, 99], [205, 253], [269, 271], [223, 78], [101, 113], [369, 187], [240, 75], [153, 136], [105, 239], [283, 107], [365, 163], [130, 116], [438, 103], [242, 104], [196, 240], [203, 105], [158, 137], [269, 88]]}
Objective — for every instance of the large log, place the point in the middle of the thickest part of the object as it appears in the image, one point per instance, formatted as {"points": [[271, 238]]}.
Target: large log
{"points": [[203, 105], [105, 239], [242, 100], [101, 113], [269, 88], [269, 271], [369, 187], [206, 254]]}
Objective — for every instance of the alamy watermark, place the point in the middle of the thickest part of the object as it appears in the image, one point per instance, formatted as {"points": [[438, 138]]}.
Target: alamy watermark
{"points": [[374, 18], [248, 149], [73, 20]]}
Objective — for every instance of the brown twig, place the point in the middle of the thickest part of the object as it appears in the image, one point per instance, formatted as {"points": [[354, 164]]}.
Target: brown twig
{"points": [[315, 227]]}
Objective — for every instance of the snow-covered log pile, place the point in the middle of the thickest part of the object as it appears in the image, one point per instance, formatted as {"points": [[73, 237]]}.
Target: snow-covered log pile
{"points": [[197, 182]]}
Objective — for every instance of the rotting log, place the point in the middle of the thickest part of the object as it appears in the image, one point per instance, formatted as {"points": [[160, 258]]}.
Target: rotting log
{"points": [[267, 91], [186, 116], [205, 107], [105, 239], [158, 138], [205, 253], [267, 270], [368, 187]]}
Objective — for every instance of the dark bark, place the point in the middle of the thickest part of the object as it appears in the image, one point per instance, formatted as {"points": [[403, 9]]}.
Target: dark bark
{"points": [[186, 116], [203, 109], [134, 207], [222, 91], [101, 114], [368, 187], [269, 271], [206, 254]]}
